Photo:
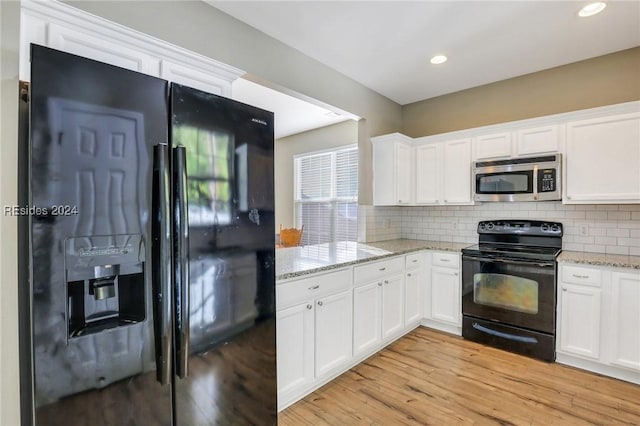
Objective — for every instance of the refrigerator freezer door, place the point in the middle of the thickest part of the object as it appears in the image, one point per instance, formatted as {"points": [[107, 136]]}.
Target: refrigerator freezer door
{"points": [[232, 368], [92, 131]]}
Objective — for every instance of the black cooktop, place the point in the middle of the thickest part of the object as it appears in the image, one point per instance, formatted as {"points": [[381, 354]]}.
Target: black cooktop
{"points": [[497, 250], [517, 239]]}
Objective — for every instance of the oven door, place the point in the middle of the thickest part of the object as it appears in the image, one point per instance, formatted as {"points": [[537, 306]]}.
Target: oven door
{"points": [[521, 293]]}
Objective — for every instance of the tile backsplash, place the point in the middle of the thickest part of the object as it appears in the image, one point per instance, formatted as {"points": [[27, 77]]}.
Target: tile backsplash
{"points": [[611, 229]]}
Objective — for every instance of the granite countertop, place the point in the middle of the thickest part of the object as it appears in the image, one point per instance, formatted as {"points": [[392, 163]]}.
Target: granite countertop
{"points": [[297, 261], [600, 259]]}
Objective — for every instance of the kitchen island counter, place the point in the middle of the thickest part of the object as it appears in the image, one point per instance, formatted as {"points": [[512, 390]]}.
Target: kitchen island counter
{"points": [[294, 262]]}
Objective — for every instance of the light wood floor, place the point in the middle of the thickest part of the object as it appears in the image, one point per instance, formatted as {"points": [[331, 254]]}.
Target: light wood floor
{"points": [[431, 378]]}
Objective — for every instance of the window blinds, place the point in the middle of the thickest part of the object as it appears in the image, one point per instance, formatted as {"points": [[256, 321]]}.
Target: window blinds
{"points": [[326, 195]]}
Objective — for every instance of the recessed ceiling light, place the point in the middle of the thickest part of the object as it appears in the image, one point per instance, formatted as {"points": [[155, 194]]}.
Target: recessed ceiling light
{"points": [[438, 59], [592, 9]]}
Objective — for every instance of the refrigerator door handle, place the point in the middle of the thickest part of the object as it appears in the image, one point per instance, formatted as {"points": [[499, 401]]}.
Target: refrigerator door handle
{"points": [[181, 260], [161, 264]]}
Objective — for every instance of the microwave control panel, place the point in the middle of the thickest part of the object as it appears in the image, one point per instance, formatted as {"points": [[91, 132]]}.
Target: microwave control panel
{"points": [[546, 180]]}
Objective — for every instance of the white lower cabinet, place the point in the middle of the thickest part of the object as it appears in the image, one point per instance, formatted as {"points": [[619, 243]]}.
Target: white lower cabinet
{"points": [[295, 343], [332, 332], [378, 304], [599, 320], [392, 306], [625, 320], [367, 317], [579, 320], [313, 331], [413, 280], [442, 295]]}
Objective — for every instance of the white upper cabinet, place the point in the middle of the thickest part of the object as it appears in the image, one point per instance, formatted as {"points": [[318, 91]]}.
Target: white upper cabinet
{"points": [[63, 27], [427, 158], [456, 172], [393, 166], [537, 140], [492, 146], [602, 160], [519, 142]]}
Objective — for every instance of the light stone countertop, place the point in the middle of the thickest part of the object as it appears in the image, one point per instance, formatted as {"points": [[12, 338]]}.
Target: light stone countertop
{"points": [[600, 259], [293, 262]]}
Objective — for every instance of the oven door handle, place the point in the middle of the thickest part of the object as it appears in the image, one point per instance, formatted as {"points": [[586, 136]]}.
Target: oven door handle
{"points": [[515, 262], [515, 337]]}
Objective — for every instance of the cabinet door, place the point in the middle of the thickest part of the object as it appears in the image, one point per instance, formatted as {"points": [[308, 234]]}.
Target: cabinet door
{"points": [[333, 332], [445, 295], [404, 173], [194, 77], [367, 317], [294, 331], [538, 140], [412, 297], [579, 327], [427, 174], [603, 160], [392, 305], [101, 48], [497, 145], [625, 319], [457, 171]]}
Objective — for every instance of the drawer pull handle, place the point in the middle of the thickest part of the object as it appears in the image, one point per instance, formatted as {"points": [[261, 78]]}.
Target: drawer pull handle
{"points": [[309, 306], [315, 287], [580, 276], [445, 260], [414, 260], [319, 302], [383, 269]]}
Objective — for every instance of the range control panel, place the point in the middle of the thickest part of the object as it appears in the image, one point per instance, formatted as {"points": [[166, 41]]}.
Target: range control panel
{"points": [[520, 227]]}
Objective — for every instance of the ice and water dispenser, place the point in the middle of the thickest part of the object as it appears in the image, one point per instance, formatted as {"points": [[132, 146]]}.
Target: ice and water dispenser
{"points": [[105, 282]]}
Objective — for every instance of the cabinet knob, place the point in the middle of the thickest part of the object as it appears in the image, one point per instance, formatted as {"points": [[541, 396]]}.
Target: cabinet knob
{"points": [[386, 281], [409, 274], [380, 284], [445, 201], [564, 289], [399, 201], [455, 273], [309, 306], [319, 302], [568, 197]]}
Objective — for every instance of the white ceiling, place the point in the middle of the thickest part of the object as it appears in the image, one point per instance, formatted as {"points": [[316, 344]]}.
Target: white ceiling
{"points": [[386, 45]]}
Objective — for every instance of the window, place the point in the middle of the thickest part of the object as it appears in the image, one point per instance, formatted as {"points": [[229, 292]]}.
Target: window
{"points": [[209, 173], [326, 195]]}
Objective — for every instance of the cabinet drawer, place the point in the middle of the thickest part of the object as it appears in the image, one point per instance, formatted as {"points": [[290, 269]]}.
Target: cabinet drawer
{"points": [[309, 288], [581, 275], [371, 271], [414, 260], [448, 260]]}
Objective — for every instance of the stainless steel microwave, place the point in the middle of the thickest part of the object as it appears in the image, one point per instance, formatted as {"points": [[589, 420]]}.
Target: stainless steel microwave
{"points": [[518, 179]]}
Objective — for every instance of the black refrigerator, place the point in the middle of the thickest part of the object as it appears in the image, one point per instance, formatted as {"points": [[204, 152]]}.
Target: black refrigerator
{"points": [[149, 291]]}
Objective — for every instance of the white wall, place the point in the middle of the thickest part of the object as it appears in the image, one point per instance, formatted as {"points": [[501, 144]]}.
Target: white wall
{"points": [[9, 380], [611, 229], [344, 133]]}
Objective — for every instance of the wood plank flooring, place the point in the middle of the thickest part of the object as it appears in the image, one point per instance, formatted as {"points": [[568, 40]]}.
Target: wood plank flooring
{"points": [[432, 378]]}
